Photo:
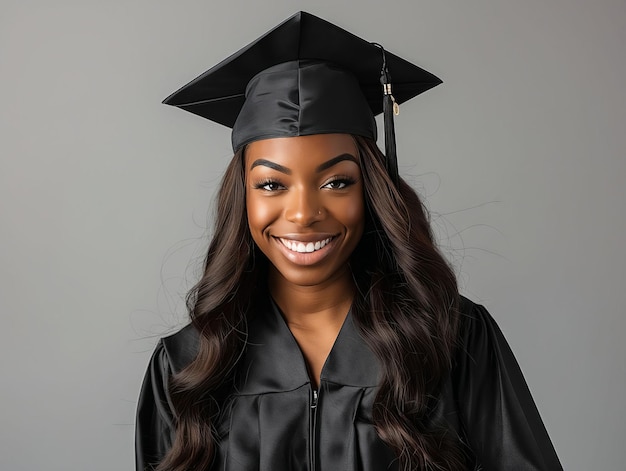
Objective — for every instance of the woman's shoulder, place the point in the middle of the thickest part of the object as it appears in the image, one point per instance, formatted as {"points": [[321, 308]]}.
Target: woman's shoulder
{"points": [[484, 358], [476, 321], [472, 311], [480, 340], [491, 394], [178, 349]]}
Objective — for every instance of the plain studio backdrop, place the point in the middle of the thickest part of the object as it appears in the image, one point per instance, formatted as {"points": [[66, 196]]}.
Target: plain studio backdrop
{"points": [[105, 198]]}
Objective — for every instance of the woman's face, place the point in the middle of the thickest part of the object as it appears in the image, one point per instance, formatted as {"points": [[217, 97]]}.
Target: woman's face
{"points": [[304, 200]]}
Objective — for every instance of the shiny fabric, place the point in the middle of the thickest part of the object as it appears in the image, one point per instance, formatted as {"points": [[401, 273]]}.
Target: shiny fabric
{"points": [[268, 422], [301, 98], [332, 103]]}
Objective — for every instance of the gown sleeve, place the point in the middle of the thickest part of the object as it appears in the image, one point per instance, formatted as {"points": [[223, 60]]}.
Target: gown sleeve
{"points": [[499, 416], [154, 423]]}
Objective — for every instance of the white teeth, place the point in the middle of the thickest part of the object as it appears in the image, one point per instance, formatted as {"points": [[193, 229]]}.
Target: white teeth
{"points": [[301, 247]]}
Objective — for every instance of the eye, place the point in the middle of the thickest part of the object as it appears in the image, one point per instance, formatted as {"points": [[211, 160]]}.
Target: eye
{"points": [[269, 185], [339, 183]]}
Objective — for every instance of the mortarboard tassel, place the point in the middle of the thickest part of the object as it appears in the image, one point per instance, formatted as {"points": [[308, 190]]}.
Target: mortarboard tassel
{"points": [[390, 108]]}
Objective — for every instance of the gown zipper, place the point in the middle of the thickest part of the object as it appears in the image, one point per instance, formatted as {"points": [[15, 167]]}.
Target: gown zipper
{"points": [[313, 429]]}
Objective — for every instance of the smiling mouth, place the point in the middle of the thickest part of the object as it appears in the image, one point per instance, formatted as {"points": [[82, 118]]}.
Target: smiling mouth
{"points": [[305, 247]]}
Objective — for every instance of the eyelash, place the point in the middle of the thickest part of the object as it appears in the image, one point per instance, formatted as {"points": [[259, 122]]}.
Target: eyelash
{"points": [[260, 185], [340, 179], [345, 180]]}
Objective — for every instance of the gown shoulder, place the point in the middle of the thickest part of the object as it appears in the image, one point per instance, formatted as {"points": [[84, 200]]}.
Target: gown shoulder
{"points": [[154, 424], [500, 418]]}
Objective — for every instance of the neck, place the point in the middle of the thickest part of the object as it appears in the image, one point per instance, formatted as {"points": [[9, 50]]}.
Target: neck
{"points": [[308, 307]]}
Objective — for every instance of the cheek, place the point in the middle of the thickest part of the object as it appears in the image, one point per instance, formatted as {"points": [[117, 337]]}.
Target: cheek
{"points": [[351, 213], [356, 213], [261, 213]]}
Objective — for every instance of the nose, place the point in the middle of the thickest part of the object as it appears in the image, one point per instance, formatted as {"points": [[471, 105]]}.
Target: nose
{"points": [[303, 207]]}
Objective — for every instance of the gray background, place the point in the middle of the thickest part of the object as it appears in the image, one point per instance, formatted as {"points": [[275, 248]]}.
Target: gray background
{"points": [[104, 197]]}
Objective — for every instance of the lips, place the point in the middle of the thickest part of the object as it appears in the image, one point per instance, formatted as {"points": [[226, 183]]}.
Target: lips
{"points": [[304, 246], [306, 249]]}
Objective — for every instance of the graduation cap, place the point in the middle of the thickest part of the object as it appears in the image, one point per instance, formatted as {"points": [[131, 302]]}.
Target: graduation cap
{"points": [[306, 76]]}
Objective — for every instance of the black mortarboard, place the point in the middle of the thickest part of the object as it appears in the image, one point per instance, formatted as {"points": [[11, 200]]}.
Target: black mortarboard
{"points": [[306, 76]]}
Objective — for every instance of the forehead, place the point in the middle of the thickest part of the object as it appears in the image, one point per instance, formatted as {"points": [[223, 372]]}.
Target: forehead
{"points": [[301, 150]]}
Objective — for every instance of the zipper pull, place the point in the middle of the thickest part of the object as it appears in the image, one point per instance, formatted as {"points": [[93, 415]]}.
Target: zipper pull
{"points": [[314, 401]]}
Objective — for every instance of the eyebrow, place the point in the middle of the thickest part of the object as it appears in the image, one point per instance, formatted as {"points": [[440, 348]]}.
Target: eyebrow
{"points": [[335, 161], [320, 168], [270, 164]]}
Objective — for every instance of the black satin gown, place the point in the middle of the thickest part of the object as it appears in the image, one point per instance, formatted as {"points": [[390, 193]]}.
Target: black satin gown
{"points": [[274, 420]]}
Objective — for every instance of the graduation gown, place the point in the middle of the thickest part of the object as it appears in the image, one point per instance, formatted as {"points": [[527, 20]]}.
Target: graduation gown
{"points": [[274, 420]]}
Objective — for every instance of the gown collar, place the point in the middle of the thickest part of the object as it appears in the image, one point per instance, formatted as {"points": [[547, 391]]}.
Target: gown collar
{"points": [[273, 361]]}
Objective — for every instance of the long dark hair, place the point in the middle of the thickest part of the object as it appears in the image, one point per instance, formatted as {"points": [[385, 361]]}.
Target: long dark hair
{"points": [[405, 309]]}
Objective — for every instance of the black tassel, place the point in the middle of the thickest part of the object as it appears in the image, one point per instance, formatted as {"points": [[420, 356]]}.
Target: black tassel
{"points": [[390, 107]]}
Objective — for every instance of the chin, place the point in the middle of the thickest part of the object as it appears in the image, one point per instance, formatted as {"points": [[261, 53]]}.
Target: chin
{"points": [[310, 277]]}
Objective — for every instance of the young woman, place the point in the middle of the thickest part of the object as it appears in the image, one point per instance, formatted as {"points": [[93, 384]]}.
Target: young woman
{"points": [[327, 332]]}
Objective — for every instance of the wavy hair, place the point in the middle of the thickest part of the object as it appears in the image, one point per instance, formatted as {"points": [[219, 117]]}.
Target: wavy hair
{"points": [[405, 308]]}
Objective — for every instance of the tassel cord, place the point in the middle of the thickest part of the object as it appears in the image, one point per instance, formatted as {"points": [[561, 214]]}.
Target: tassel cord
{"points": [[390, 108]]}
